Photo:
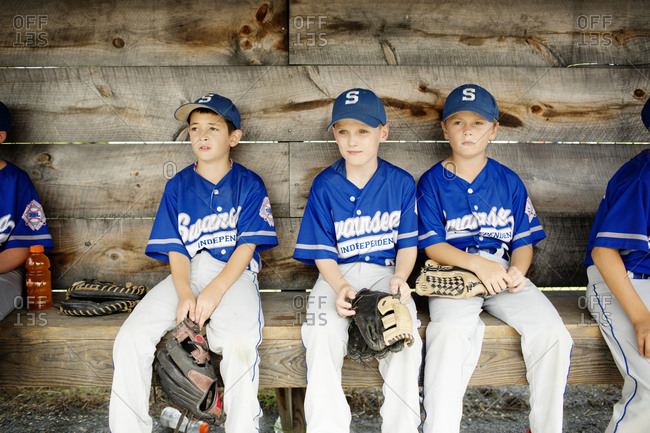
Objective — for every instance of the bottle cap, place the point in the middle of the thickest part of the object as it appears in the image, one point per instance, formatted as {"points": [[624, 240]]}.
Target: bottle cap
{"points": [[36, 248], [204, 428]]}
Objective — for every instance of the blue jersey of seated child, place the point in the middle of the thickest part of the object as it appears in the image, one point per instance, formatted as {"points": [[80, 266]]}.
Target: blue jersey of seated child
{"points": [[493, 212], [623, 217], [347, 224]]}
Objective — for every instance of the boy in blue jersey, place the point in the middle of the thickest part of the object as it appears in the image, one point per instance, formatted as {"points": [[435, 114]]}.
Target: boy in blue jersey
{"points": [[360, 229], [22, 224], [214, 219], [476, 214], [618, 268]]}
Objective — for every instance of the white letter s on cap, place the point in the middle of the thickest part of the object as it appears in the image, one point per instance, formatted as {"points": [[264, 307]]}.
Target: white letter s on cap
{"points": [[469, 94]]}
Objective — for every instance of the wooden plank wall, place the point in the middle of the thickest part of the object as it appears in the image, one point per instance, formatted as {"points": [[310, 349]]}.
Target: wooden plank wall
{"points": [[93, 119]]}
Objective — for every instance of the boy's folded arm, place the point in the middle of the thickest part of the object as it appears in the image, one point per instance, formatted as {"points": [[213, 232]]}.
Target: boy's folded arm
{"points": [[611, 267], [492, 274]]}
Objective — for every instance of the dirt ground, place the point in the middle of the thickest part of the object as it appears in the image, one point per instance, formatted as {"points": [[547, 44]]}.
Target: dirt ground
{"points": [[487, 409]]}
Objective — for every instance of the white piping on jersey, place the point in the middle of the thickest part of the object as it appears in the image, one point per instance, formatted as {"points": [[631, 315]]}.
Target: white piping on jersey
{"points": [[28, 238], [406, 235], [362, 225], [496, 218], [316, 247], [164, 241], [427, 235], [208, 224], [623, 236], [258, 233], [526, 233]]}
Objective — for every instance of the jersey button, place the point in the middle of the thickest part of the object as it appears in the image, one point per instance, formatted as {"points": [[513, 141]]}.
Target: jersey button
{"points": [[216, 191], [367, 259], [480, 238], [352, 198], [475, 207], [223, 251], [470, 190], [218, 208], [358, 212]]}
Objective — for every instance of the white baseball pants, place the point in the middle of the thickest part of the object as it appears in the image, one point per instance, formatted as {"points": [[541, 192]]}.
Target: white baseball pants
{"points": [[234, 331], [631, 413], [453, 345], [325, 336], [11, 288]]}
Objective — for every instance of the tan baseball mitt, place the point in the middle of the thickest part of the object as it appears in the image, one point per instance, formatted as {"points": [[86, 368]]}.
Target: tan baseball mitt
{"points": [[448, 282]]}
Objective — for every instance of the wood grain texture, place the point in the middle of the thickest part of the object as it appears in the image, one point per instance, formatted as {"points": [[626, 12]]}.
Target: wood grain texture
{"points": [[77, 351], [160, 33], [528, 33], [118, 180], [285, 103]]}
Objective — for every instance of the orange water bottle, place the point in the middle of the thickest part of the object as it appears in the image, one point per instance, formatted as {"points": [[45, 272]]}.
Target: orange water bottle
{"points": [[38, 279]]}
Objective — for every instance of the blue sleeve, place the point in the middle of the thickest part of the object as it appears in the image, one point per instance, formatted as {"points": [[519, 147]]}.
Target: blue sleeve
{"points": [[165, 236], [527, 229], [29, 218], [256, 224], [317, 236], [431, 227], [625, 224], [407, 235]]}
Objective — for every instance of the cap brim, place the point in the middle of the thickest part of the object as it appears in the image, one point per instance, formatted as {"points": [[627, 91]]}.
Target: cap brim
{"points": [[484, 114], [182, 113], [371, 121]]}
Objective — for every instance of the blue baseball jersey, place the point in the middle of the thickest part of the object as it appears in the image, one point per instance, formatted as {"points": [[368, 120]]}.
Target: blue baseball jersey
{"points": [[22, 219], [195, 215], [623, 217], [492, 212], [347, 224]]}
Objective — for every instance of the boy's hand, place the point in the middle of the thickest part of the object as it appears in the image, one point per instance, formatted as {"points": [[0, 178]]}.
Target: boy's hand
{"points": [[186, 307], [494, 276], [642, 331], [518, 279], [343, 306], [398, 284], [206, 303]]}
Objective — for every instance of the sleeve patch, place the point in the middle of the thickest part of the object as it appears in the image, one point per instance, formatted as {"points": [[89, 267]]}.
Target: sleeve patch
{"points": [[34, 216], [530, 210], [266, 213]]}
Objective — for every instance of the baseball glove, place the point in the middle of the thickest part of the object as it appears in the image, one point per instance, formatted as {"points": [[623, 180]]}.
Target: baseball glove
{"points": [[187, 375], [448, 282], [96, 298], [383, 321]]}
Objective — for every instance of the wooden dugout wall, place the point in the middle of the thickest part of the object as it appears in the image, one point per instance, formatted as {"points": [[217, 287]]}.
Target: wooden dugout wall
{"points": [[93, 119]]}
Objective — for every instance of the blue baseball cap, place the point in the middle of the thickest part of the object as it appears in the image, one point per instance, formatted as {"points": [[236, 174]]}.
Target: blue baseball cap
{"points": [[470, 97], [5, 118], [359, 104], [224, 107], [645, 115]]}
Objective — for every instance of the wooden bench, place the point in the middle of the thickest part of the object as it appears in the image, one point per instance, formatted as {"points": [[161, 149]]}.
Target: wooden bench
{"points": [[48, 349]]}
